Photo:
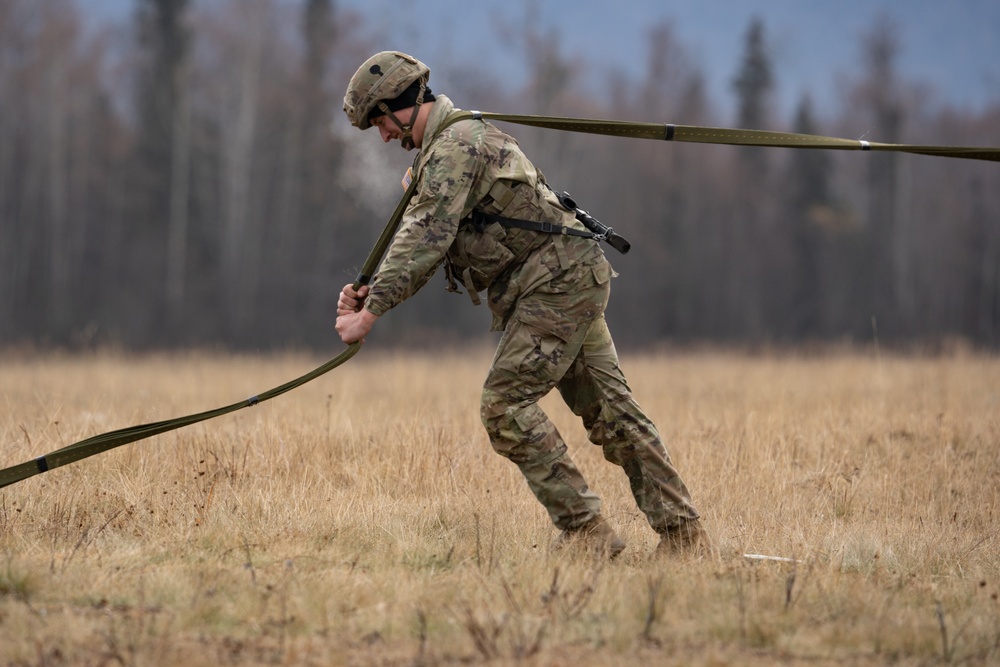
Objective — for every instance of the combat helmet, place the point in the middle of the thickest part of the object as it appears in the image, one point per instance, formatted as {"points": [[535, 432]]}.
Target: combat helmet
{"points": [[381, 80]]}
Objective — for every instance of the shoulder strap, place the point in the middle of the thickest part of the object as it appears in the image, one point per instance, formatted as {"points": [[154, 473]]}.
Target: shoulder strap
{"points": [[481, 220]]}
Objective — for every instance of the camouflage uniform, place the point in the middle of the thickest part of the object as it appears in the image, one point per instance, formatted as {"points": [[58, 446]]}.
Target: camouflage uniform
{"points": [[547, 293]]}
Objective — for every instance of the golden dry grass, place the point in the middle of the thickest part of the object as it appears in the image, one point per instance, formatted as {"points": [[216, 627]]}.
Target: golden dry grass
{"points": [[364, 519]]}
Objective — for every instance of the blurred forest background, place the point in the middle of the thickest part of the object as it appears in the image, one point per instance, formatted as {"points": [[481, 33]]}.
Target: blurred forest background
{"points": [[194, 183]]}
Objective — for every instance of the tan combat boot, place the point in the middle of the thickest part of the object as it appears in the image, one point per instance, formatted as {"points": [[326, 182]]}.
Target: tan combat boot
{"points": [[689, 538], [595, 536]]}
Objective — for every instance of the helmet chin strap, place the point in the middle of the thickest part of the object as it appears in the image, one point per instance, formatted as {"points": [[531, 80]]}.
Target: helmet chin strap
{"points": [[407, 128]]}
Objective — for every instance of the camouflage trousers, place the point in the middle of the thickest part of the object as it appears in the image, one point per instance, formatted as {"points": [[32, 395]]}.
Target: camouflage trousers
{"points": [[557, 337]]}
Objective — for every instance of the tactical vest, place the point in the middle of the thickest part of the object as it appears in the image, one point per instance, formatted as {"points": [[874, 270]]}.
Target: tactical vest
{"points": [[483, 250]]}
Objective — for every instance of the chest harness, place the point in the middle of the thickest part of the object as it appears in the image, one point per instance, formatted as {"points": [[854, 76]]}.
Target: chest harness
{"points": [[595, 228]]}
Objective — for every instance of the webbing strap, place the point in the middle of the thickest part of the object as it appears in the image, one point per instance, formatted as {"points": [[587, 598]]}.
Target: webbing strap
{"points": [[106, 441], [656, 131], [734, 137], [102, 443], [483, 219]]}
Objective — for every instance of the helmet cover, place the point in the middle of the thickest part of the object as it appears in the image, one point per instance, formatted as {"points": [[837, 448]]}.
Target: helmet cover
{"points": [[382, 77]]}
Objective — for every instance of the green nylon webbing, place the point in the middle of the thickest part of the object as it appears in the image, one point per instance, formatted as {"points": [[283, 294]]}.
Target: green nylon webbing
{"points": [[106, 441], [102, 443], [734, 137], [656, 131]]}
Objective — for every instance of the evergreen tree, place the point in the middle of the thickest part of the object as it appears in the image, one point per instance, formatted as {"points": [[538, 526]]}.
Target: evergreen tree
{"points": [[750, 275], [809, 205], [754, 81], [880, 95]]}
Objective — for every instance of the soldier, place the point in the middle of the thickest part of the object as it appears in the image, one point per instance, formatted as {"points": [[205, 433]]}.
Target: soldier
{"points": [[476, 211]]}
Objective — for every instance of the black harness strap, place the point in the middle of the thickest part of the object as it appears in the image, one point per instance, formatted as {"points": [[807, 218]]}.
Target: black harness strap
{"points": [[481, 220]]}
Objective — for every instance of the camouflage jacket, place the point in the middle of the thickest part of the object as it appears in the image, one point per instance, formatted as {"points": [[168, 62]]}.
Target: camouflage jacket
{"points": [[468, 166]]}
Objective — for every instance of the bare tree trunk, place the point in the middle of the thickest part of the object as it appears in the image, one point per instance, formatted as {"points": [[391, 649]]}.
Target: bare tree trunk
{"points": [[179, 195], [8, 229], [56, 199], [238, 275], [904, 250], [289, 205]]}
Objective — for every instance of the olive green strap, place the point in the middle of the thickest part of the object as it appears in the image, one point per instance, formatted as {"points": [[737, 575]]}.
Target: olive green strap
{"points": [[735, 137], [104, 442]]}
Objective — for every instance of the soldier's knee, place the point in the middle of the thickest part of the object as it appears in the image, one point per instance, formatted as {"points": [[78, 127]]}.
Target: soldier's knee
{"points": [[499, 425], [527, 454], [517, 433], [506, 439]]}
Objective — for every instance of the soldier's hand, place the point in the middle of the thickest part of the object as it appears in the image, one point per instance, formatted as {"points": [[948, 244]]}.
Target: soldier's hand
{"points": [[350, 301], [353, 327]]}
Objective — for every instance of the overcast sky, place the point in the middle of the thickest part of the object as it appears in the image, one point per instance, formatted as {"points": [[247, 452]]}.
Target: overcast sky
{"points": [[953, 46]]}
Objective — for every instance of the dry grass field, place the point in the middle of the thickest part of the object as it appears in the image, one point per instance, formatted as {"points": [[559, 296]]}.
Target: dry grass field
{"points": [[364, 520]]}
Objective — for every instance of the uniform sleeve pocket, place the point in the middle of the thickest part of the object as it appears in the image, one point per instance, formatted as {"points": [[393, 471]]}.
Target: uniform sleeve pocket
{"points": [[603, 273]]}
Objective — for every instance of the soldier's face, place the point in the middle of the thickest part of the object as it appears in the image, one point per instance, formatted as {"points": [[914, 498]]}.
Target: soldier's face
{"points": [[390, 130], [387, 129]]}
